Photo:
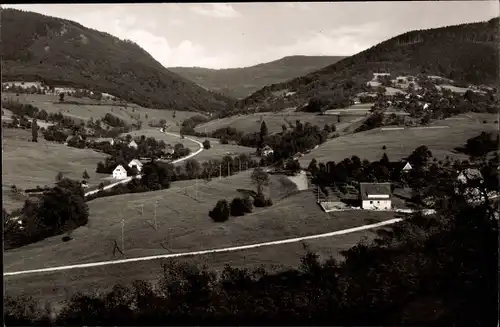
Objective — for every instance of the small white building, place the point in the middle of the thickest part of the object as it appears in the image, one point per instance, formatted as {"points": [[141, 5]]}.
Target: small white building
{"points": [[267, 151], [132, 144], [120, 172], [135, 163], [375, 196]]}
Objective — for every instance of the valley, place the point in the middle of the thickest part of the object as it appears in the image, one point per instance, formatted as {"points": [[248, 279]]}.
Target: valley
{"points": [[132, 187]]}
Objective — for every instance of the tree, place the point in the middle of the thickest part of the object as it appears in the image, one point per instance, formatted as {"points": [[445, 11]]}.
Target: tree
{"points": [[247, 204], [237, 207], [59, 176], [192, 167], [293, 166], [63, 207], [85, 175], [220, 212], [61, 96], [260, 178], [263, 133], [206, 144], [34, 131]]}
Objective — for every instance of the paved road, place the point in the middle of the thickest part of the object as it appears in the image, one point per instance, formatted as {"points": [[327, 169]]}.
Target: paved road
{"points": [[186, 254], [128, 179]]}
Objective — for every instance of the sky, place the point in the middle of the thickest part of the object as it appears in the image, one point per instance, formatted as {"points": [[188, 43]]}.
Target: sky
{"points": [[227, 35]]}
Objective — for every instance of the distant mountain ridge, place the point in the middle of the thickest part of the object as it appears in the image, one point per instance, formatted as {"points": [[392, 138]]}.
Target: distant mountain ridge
{"points": [[466, 53], [241, 82], [65, 53]]}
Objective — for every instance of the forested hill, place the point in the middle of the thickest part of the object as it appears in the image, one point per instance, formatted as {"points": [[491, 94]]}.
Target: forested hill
{"points": [[65, 53], [466, 53], [241, 82]]}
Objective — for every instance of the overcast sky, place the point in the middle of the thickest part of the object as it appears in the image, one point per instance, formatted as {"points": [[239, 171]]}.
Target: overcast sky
{"points": [[224, 35]]}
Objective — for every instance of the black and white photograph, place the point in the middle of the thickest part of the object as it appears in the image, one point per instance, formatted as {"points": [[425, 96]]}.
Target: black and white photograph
{"points": [[251, 163]]}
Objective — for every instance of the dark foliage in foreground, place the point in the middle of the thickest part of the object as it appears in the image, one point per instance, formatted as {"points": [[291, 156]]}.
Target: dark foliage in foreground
{"points": [[427, 271]]}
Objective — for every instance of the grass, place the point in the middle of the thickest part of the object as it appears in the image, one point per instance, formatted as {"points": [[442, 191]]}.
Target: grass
{"points": [[58, 286], [183, 225], [88, 109], [400, 143], [274, 121], [27, 164]]}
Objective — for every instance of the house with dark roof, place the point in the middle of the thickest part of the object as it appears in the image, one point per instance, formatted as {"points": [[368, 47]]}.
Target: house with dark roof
{"points": [[375, 196]]}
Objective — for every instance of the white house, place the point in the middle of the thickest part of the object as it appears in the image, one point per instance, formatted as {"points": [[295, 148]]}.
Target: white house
{"points": [[375, 196], [120, 172], [135, 163], [132, 144], [267, 150]]}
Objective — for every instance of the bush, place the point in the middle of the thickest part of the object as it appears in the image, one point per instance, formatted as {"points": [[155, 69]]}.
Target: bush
{"points": [[206, 144], [259, 201], [220, 212], [248, 205], [237, 207]]}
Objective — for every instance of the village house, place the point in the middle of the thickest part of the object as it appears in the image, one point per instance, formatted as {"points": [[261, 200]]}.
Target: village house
{"points": [[119, 172], [407, 167], [135, 163], [267, 151], [132, 144], [375, 196]]}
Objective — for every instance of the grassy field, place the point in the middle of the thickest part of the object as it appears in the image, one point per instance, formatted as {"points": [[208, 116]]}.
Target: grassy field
{"points": [[216, 151], [27, 164], [58, 286], [183, 225], [400, 143], [274, 121], [88, 109]]}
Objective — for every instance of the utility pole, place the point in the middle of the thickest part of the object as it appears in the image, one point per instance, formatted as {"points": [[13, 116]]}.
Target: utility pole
{"points": [[156, 204], [228, 170], [196, 187], [220, 172], [317, 192], [123, 235]]}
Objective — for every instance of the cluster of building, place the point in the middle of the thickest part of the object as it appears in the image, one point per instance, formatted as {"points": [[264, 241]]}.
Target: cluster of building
{"points": [[121, 173]]}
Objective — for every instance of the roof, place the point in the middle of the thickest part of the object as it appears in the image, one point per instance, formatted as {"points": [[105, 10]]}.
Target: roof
{"points": [[135, 161], [119, 167], [374, 188], [267, 147], [104, 139]]}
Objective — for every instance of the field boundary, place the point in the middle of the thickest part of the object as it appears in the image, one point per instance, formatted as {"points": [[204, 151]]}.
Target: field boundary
{"points": [[202, 252]]}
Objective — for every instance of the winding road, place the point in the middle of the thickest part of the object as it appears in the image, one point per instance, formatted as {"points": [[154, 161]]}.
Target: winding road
{"points": [[186, 254]]}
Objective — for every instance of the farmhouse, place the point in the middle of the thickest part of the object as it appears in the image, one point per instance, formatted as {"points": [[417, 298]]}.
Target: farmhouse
{"points": [[267, 150], [120, 172], [132, 144], [135, 163], [375, 196]]}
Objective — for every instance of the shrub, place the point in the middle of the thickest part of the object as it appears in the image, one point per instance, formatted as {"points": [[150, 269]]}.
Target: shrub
{"points": [[220, 212], [237, 207], [247, 203], [259, 201], [206, 144]]}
